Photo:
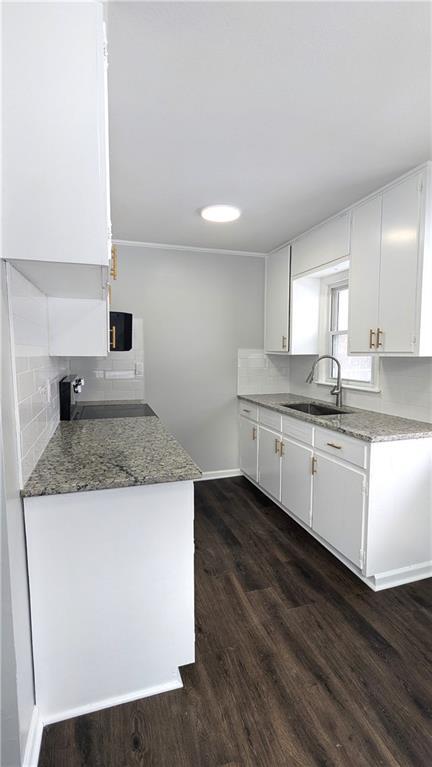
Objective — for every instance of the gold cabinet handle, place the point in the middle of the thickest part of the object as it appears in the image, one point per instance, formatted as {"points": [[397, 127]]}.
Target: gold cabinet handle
{"points": [[333, 444], [276, 446], [284, 342], [314, 465], [379, 333], [371, 339], [113, 336], [114, 263], [281, 449], [254, 433]]}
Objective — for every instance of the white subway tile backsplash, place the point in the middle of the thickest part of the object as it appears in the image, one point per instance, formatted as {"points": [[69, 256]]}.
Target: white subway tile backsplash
{"points": [[99, 386], [406, 384], [37, 374]]}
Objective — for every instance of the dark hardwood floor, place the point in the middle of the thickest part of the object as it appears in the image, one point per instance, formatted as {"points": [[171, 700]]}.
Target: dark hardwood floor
{"points": [[298, 663]]}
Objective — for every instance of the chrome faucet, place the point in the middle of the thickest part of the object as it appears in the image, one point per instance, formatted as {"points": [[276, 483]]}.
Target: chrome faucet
{"points": [[337, 389]]}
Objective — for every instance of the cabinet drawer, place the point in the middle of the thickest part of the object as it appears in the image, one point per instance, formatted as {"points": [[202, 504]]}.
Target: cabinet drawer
{"points": [[270, 418], [297, 429], [248, 410], [341, 446]]}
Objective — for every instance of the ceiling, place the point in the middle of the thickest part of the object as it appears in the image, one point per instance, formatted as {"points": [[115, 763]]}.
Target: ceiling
{"points": [[290, 110]]}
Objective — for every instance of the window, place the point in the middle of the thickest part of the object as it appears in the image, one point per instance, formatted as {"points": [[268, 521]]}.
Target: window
{"points": [[357, 371], [354, 369]]}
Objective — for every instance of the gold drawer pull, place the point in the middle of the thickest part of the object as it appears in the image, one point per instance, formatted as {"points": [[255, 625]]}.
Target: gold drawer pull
{"points": [[371, 339], [254, 433], [379, 333], [314, 465], [276, 446], [113, 339], [284, 342], [282, 449], [332, 444]]}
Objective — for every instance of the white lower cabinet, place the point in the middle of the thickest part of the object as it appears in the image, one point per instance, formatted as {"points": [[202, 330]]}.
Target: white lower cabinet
{"points": [[338, 506], [269, 462], [248, 444], [370, 504], [296, 480]]}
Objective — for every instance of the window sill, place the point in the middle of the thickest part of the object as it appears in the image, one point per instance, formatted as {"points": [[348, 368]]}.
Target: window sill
{"points": [[352, 386]]}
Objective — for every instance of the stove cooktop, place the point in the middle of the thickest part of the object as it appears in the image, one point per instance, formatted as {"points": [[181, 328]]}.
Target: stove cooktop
{"points": [[123, 410]]}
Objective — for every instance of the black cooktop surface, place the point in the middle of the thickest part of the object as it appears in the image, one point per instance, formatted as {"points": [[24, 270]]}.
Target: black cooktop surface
{"points": [[123, 410]]}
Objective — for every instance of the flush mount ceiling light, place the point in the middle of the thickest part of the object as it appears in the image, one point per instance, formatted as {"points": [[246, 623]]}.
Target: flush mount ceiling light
{"points": [[220, 214]]}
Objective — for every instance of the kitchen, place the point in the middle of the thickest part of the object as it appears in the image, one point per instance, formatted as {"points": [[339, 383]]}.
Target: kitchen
{"points": [[216, 407]]}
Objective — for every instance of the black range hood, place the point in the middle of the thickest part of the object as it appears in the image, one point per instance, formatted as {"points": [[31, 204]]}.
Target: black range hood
{"points": [[120, 332]]}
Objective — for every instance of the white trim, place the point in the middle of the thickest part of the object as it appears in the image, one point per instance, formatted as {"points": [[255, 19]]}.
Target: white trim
{"points": [[400, 577], [174, 684], [34, 740], [189, 248], [221, 474], [377, 582]]}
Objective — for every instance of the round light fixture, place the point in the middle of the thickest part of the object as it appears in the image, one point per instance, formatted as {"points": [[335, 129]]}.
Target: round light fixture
{"points": [[220, 214]]}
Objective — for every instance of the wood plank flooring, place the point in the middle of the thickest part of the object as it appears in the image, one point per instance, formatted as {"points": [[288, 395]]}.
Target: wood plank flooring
{"points": [[298, 663]]}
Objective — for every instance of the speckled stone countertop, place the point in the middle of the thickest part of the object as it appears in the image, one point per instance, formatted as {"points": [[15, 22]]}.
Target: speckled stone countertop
{"points": [[362, 424], [109, 453]]}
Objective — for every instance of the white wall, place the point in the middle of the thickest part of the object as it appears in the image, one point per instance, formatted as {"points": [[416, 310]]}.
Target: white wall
{"points": [[198, 309], [406, 384], [37, 374]]}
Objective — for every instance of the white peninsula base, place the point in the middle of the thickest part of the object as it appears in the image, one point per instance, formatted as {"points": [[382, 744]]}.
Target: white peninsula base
{"points": [[111, 577]]}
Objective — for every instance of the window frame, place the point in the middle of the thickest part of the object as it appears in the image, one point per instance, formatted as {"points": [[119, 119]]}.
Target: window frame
{"points": [[329, 286]]}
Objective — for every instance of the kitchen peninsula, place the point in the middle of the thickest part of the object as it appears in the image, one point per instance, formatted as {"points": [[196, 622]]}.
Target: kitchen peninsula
{"points": [[109, 523]]}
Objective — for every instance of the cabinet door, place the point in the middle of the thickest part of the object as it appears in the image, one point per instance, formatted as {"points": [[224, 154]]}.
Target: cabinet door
{"points": [[338, 505], [248, 448], [364, 277], [77, 327], [399, 265], [296, 479], [269, 462], [277, 301], [55, 133]]}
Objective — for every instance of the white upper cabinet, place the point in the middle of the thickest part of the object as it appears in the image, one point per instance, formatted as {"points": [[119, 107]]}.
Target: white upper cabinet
{"points": [[399, 265], [326, 243], [391, 271], [56, 201], [364, 275], [277, 301]]}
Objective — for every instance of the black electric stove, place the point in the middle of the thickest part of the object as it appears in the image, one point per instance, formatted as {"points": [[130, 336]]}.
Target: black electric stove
{"points": [[120, 410]]}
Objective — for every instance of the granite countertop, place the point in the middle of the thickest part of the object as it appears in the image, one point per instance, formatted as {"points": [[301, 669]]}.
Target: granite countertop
{"points": [[362, 424], [109, 453]]}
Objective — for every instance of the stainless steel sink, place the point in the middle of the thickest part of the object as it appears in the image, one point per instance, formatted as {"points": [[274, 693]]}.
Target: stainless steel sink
{"points": [[314, 409]]}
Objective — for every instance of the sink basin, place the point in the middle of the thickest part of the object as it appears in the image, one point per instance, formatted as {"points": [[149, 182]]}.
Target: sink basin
{"points": [[313, 409]]}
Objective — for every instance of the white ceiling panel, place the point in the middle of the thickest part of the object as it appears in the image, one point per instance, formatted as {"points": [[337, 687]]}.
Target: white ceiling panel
{"points": [[289, 110]]}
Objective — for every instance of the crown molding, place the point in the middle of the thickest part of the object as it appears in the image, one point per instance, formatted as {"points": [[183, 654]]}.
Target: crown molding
{"points": [[189, 248]]}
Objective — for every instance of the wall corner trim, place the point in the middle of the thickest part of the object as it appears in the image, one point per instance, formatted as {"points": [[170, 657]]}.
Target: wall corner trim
{"points": [[34, 740], [221, 474]]}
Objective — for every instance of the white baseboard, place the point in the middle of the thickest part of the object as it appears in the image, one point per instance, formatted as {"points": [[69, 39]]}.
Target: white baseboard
{"points": [[221, 474], [172, 684], [34, 740]]}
